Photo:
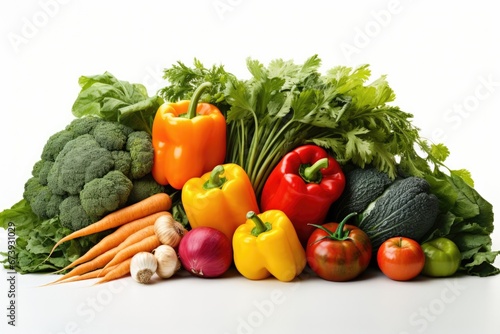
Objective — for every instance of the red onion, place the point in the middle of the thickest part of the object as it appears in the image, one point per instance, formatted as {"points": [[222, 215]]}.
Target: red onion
{"points": [[205, 252]]}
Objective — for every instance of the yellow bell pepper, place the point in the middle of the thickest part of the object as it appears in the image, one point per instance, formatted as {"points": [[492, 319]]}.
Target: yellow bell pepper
{"points": [[219, 199], [266, 245]]}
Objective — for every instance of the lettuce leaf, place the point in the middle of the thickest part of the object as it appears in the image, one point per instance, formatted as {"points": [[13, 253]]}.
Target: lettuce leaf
{"points": [[107, 97]]}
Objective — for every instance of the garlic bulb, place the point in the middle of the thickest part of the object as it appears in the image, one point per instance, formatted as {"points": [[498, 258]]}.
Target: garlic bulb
{"points": [[143, 266], [168, 262], [169, 231]]}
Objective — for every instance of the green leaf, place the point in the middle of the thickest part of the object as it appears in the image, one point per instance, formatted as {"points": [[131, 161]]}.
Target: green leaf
{"points": [[358, 149], [140, 115], [20, 213], [440, 152], [293, 74], [114, 100], [465, 175], [345, 79], [444, 190], [481, 264], [373, 95]]}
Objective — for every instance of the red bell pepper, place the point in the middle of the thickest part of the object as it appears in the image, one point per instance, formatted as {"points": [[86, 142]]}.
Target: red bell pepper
{"points": [[304, 185]]}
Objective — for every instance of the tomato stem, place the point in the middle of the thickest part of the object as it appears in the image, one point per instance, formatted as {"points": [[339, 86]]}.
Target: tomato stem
{"points": [[339, 234]]}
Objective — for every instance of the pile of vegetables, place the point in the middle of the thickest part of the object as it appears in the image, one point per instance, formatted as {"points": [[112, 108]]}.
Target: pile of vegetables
{"points": [[295, 161]]}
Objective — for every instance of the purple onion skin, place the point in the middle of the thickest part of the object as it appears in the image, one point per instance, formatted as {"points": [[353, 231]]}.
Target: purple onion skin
{"points": [[205, 252]]}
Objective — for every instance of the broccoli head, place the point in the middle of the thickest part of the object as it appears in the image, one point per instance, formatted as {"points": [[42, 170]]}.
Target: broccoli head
{"points": [[144, 188], [72, 215], [92, 165], [79, 162], [104, 195]]}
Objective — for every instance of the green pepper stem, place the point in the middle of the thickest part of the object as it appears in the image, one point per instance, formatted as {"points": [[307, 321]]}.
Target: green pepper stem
{"points": [[312, 173], [195, 98], [215, 180], [260, 226], [339, 234]]}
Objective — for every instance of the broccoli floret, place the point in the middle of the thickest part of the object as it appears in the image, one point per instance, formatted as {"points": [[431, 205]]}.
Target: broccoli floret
{"points": [[111, 136], [72, 215], [123, 161], [104, 195], [44, 172], [55, 144], [83, 126], [81, 161], [37, 167], [144, 188], [31, 189], [41, 170], [141, 151], [46, 204]]}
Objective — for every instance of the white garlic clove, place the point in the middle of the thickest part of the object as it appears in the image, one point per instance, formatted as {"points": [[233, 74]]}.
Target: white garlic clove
{"points": [[168, 261], [169, 231], [143, 266]]}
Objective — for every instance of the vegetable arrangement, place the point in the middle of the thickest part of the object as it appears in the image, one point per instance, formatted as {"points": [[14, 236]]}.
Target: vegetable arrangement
{"points": [[216, 171]]}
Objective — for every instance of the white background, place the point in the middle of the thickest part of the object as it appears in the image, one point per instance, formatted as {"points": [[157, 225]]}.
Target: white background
{"points": [[441, 60]]}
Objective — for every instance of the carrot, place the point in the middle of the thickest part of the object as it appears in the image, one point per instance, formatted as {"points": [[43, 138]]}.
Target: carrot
{"points": [[134, 238], [153, 204], [102, 260], [146, 245], [97, 263], [89, 275], [114, 239], [118, 271]]}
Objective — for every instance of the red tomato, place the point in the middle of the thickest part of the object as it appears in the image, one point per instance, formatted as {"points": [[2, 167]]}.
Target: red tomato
{"points": [[338, 252], [400, 258]]}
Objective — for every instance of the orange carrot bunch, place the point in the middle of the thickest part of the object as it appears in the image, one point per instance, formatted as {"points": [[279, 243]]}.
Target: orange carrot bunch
{"points": [[110, 258]]}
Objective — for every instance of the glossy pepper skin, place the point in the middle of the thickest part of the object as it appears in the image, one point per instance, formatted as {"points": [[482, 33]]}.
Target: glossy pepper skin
{"points": [[442, 257], [189, 139], [219, 199], [304, 185], [267, 244]]}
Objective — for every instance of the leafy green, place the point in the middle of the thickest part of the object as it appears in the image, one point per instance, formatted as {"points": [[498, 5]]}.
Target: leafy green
{"points": [[35, 238], [116, 100]]}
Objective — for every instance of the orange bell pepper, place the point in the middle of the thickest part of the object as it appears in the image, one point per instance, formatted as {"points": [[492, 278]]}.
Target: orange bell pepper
{"points": [[189, 139]]}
